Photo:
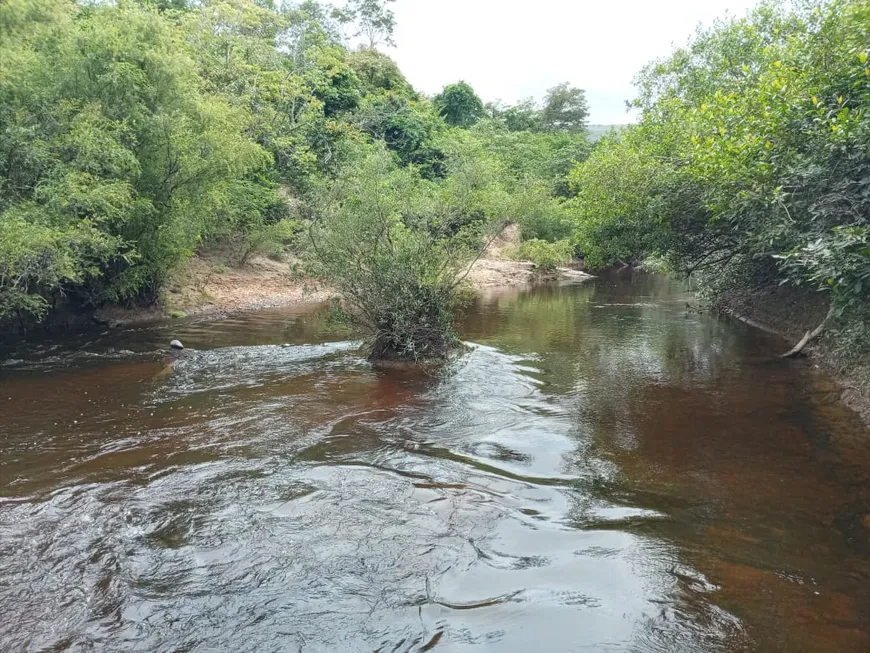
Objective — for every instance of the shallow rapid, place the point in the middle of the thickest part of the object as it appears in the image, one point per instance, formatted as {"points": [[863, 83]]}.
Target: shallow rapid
{"points": [[602, 471]]}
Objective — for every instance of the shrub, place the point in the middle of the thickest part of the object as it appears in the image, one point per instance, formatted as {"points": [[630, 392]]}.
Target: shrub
{"points": [[539, 214], [546, 256], [36, 260], [398, 282], [269, 239]]}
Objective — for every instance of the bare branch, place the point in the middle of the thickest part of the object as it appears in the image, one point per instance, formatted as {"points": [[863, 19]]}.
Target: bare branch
{"points": [[810, 335]]}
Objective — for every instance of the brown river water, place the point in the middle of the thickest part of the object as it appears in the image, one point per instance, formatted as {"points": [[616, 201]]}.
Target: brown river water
{"points": [[602, 471]]}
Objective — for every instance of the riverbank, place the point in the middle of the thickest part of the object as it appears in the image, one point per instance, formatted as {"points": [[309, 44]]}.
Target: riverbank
{"points": [[791, 313], [207, 285]]}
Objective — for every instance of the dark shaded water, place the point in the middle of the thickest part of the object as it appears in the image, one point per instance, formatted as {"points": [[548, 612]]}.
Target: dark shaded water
{"points": [[602, 472]]}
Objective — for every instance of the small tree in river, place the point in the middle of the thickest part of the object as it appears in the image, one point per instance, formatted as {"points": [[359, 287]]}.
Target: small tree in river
{"points": [[398, 281]]}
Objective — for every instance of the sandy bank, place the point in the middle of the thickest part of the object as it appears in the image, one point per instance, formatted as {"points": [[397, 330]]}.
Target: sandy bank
{"points": [[207, 286]]}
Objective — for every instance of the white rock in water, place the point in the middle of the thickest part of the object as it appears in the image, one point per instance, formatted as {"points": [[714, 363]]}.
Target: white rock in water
{"points": [[176, 344]]}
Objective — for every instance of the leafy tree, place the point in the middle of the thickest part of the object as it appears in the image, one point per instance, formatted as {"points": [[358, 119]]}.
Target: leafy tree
{"points": [[378, 73], [620, 202], [522, 116], [374, 20], [110, 154], [392, 111], [36, 258], [407, 128], [286, 71], [312, 24], [459, 105], [474, 191], [565, 110], [548, 158]]}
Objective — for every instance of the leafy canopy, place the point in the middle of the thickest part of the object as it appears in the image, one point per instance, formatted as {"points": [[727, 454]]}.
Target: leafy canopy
{"points": [[459, 105]]}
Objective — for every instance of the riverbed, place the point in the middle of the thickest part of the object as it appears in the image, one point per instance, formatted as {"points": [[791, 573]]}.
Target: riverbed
{"points": [[603, 470]]}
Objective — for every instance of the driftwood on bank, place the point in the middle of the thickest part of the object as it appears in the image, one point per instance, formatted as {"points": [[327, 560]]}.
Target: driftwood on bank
{"points": [[810, 336]]}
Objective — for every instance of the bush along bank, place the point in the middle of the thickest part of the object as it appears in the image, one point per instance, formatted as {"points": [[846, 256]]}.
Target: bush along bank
{"points": [[749, 170]]}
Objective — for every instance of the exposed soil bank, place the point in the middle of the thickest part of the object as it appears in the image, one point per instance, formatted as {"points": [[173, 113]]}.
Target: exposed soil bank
{"points": [[791, 312], [205, 286]]}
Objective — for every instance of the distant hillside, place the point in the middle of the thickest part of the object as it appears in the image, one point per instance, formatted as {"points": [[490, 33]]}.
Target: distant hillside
{"points": [[597, 131]]}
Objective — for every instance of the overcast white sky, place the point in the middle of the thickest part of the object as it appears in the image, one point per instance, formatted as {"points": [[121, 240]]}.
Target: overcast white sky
{"points": [[511, 49]]}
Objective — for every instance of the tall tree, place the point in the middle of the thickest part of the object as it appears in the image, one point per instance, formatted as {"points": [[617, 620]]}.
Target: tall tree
{"points": [[523, 116], [374, 20], [459, 105], [565, 110], [378, 73]]}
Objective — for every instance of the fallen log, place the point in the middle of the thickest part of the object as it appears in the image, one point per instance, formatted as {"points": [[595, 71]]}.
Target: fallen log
{"points": [[810, 336]]}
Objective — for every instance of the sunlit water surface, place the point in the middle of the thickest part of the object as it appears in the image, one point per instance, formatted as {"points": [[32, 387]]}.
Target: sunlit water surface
{"points": [[602, 471]]}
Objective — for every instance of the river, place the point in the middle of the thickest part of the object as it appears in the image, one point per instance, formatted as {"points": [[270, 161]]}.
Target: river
{"points": [[602, 471]]}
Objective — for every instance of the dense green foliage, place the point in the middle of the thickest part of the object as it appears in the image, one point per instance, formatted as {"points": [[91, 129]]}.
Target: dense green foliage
{"points": [[459, 105], [113, 160], [397, 245], [134, 133], [545, 255], [130, 135], [751, 163], [564, 110]]}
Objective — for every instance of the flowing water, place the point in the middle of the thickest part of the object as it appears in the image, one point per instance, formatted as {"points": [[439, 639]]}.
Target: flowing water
{"points": [[602, 471]]}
